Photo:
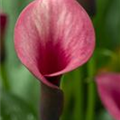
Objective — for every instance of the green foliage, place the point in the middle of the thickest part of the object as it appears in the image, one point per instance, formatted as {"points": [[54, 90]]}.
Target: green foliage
{"points": [[14, 108]]}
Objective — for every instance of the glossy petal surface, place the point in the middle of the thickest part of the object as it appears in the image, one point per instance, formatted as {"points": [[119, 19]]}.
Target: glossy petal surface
{"points": [[53, 37], [109, 91]]}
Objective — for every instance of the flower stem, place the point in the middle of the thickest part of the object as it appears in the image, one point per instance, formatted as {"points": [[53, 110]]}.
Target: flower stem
{"points": [[4, 76], [79, 95], [51, 104], [90, 113]]}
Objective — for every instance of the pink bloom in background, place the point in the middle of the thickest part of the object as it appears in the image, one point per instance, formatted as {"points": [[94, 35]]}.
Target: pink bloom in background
{"points": [[109, 91], [53, 37], [3, 23]]}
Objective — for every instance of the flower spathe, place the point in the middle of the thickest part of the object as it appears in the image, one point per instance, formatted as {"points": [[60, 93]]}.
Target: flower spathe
{"points": [[53, 37], [109, 91]]}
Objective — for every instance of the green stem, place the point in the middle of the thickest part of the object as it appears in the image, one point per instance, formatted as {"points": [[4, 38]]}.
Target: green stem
{"points": [[67, 87], [78, 95], [4, 76], [90, 113]]}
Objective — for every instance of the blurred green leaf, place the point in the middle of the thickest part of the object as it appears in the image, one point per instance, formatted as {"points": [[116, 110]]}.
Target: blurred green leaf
{"points": [[14, 108], [107, 23], [104, 115], [22, 83]]}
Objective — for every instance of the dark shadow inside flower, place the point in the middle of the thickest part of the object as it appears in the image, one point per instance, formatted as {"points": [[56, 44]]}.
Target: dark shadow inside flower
{"points": [[54, 80], [51, 58]]}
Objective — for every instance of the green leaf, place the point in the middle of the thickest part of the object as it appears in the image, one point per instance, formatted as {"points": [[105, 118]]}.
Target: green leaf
{"points": [[14, 108]]}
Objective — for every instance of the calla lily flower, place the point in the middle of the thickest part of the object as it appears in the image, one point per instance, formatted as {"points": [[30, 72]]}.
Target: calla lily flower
{"points": [[109, 91], [53, 37]]}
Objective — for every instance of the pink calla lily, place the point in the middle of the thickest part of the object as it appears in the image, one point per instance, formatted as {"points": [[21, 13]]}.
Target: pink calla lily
{"points": [[53, 37], [109, 91]]}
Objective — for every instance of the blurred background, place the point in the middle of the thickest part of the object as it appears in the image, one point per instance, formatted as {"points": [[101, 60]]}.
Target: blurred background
{"points": [[19, 89]]}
